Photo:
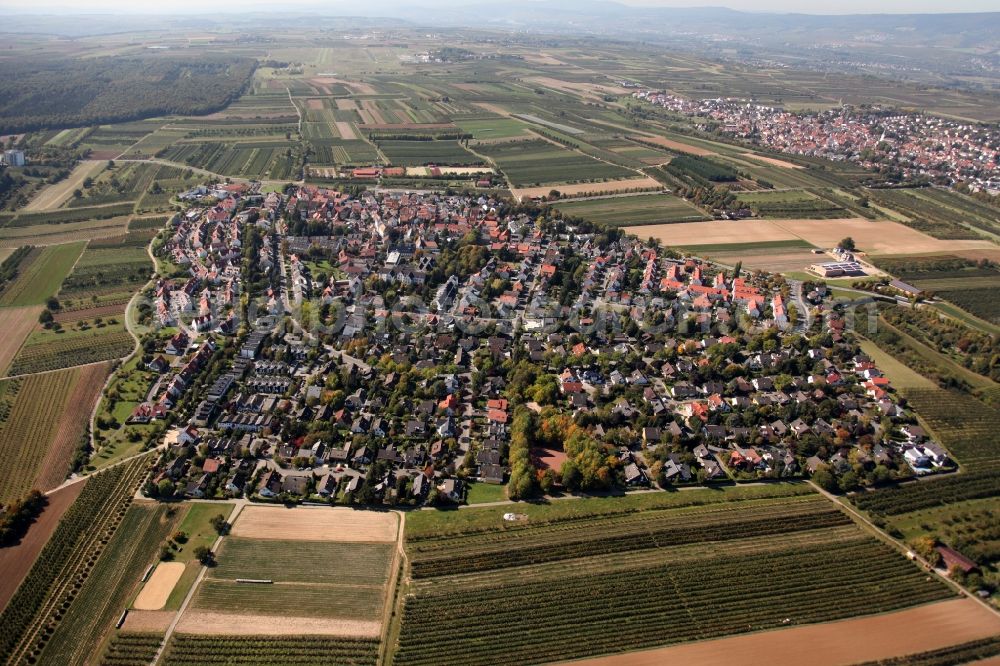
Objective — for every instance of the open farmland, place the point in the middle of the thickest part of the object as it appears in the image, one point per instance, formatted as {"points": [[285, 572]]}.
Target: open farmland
{"points": [[873, 237], [56, 195], [78, 342], [41, 275], [16, 560], [671, 587], [131, 648], [293, 650], [420, 153], [633, 210], [17, 323], [538, 162], [113, 580], [50, 589], [46, 419], [260, 571]]}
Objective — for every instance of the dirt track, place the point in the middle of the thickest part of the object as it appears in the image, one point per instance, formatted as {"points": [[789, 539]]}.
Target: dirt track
{"points": [[316, 524], [16, 561], [919, 629]]}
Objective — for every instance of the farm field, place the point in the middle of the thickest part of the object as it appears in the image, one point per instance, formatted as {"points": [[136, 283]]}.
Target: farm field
{"points": [[484, 566], [46, 418], [881, 637], [156, 591], [41, 277], [419, 153], [873, 237], [113, 580], [604, 187], [16, 561], [538, 162], [56, 195], [189, 650], [17, 323], [484, 129], [58, 234], [129, 648], [633, 210], [48, 592], [261, 570], [89, 341]]}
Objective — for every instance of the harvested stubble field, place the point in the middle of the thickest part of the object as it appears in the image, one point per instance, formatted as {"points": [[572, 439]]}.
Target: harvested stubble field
{"points": [[555, 587], [209, 623], [157, 589], [871, 236], [316, 524], [56, 194], [929, 627]]}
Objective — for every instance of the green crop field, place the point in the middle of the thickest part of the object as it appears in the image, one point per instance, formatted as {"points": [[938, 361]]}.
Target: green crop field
{"points": [[50, 590], [556, 584], [41, 274], [113, 580], [353, 563], [419, 153], [188, 650], [538, 162], [492, 128], [316, 578], [128, 648], [633, 210], [51, 350], [362, 602]]}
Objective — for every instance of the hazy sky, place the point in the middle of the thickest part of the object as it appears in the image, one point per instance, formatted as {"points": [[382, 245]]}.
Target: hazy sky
{"points": [[840, 7]]}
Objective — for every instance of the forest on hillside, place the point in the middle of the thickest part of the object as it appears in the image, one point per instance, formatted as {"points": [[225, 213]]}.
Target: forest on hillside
{"points": [[63, 92]]}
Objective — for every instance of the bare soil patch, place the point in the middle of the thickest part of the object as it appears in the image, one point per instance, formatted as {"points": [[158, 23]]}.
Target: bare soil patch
{"points": [[16, 561], [586, 188], [346, 104], [156, 591], [72, 424], [314, 104], [664, 142], [16, 324], [773, 161], [345, 130], [226, 624], [316, 524], [863, 639], [374, 112], [151, 621]]}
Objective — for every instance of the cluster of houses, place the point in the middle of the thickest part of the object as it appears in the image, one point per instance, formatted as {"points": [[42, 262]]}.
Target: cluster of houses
{"points": [[446, 303], [920, 145]]}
